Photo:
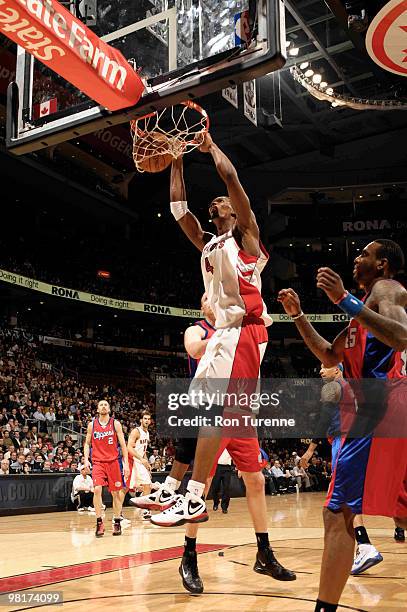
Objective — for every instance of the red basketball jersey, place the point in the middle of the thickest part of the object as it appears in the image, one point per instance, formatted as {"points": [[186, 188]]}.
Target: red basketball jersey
{"points": [[105, 444], [366, 357]]}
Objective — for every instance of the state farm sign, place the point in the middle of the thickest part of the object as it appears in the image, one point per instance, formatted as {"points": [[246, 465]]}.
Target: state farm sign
{"points": [[386, 39], [58, 39]]}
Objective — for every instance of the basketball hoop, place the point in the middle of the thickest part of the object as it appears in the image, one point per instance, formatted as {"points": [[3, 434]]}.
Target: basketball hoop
{"points": [[171, 132]]}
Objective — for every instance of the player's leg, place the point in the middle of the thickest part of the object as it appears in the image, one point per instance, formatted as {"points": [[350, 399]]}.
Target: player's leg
{"points": [[117, 510], [337, 558], [266, 563], [231, 355], [188, 568], [366, 554], [100, 479], [216, 482], [226, 479]]}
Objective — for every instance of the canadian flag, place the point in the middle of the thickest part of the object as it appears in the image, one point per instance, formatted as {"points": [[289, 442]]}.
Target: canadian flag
{"points": [[45, 108]]}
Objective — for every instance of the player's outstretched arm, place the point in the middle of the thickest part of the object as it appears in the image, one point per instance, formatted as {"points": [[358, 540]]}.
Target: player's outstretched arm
{"points": [[179, 207], [86, 446], [389, 324], [246, 221], [194, 343], [328, 353]]}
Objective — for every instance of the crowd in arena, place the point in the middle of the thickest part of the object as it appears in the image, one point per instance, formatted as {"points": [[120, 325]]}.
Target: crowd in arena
{"points": [[44, 412]]}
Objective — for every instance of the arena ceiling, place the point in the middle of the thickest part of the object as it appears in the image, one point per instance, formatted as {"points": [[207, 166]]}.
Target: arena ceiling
{"points": [[315, 146]]}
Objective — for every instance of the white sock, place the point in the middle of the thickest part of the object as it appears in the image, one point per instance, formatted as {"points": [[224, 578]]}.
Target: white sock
{"points": [[172, 483], [195, 487]]}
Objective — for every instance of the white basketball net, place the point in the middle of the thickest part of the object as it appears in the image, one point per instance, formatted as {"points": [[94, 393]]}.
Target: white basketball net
{"points": [[183, 128]]}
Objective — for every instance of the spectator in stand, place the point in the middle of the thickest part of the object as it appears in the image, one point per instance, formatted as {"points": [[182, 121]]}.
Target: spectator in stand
{"points": [[279, 477], [301, 478], [68, 464], [315, 474], [11, 455], [26, 468], [7, 441], [39, 417], [50, 418], [154, 456], [295, 458], [38, 463], [269, 482], [157, 466], [47, 466], [17, 467], [16, 439], [82, 490], [4, 467]]}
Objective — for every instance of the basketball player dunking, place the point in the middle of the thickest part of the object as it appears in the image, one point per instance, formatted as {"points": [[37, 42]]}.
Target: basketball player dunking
{"points": [[137, 444], [103, 436], [372, 346], [231, 265], [246, 455]]}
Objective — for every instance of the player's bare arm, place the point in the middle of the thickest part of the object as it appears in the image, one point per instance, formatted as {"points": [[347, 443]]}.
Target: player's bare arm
{"points": [[87, 445], [186, 220], [329, 353], [245, 219], [194, 342], [383, 315], [122, 442], [133, 437]]}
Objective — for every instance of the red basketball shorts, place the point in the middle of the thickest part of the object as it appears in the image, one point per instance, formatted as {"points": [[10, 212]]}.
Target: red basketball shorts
{"points": [[108, 474]]}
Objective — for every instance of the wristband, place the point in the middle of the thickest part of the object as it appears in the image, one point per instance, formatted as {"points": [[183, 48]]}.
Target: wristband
{"points": [[179, 209], [350, 305], [297, 316]]}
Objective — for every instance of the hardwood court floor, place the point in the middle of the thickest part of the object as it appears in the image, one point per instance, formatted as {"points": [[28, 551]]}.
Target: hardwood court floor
{"points": [[139, 570]]}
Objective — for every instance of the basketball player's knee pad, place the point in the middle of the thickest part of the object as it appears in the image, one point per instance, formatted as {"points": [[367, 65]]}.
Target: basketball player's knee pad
{"points": [[185, 450]]}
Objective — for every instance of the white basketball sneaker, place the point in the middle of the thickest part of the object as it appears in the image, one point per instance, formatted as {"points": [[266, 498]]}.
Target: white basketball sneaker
{"points": [[366, 557], [188, 509], [161, 499]]}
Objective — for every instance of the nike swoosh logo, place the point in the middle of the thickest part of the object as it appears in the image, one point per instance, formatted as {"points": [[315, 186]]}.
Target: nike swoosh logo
{"points": [[192, 510], [185, 576], [262, 564]]}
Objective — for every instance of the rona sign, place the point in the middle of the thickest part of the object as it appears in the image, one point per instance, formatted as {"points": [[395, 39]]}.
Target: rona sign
{"points": [[366, 226]]}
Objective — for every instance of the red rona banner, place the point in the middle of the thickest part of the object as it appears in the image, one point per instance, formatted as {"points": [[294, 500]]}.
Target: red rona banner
{"points": [[55, 37]]}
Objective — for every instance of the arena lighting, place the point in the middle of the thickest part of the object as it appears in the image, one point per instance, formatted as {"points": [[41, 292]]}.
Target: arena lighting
{"points": [[304, 65], [317, 78], [323, 85], [103, 274], [294, 51], [337, 99]]}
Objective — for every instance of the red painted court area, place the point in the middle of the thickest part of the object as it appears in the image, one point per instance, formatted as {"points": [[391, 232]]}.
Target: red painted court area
{"points": [[92, 568]]}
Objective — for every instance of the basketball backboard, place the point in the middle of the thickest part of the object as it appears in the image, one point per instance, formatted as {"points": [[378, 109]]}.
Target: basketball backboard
{"points": [[182, 49]]}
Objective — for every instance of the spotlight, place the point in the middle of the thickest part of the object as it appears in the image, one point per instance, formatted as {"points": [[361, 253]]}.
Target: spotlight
{"points": [[323, 85], [309, 73], [304, 65], [317, 78], [294, 51], [329, 91]]}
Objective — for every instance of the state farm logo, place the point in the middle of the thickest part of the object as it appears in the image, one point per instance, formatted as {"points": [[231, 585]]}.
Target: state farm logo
{"points": [[59, 31], [386, 40]]}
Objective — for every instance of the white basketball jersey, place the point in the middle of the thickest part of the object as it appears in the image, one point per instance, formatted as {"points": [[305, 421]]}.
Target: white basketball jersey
{"points": [[142, 443], [232, 281]]}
